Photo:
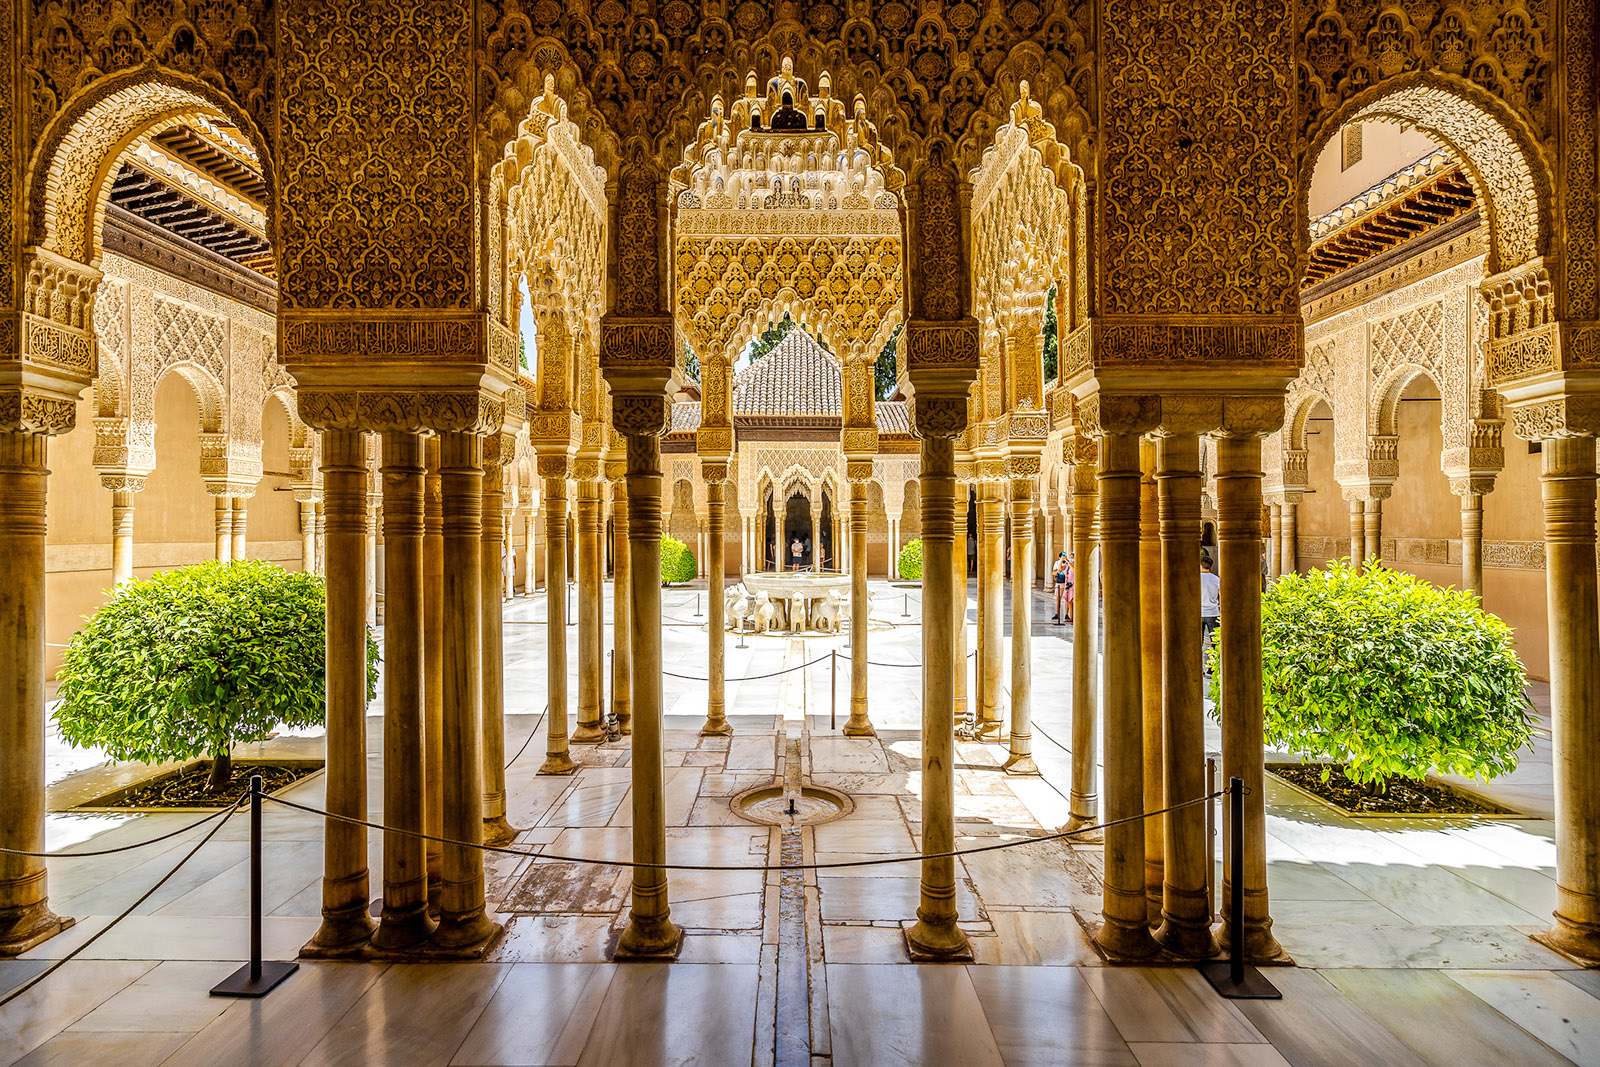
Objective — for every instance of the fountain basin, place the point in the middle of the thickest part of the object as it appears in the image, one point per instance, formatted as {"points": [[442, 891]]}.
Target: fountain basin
{"points": [[798, 600], [770, 805]]}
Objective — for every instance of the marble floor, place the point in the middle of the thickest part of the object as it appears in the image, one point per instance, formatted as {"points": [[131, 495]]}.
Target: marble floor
{"points": [[1411, 937]]}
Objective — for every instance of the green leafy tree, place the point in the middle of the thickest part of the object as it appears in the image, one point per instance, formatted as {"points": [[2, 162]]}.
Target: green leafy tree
{"points": [[1051, 330], [769, 338], [193, 661], [691, 364], [1389, 675], [911, 561], [884, 371], [522, 352], [677, 561]]}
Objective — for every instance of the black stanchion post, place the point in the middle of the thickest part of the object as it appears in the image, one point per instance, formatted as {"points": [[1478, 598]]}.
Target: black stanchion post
{"points": [[256, 978], [697, 605], [905, 605], [833, 689], [1234, 979]]}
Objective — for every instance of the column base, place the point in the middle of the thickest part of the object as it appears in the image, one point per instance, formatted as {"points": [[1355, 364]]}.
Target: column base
{"points": [[1187, 940], [557, 763], [716, 725], [1260, 947], [1118, 940], [859, 726], [935, 942], [1577, 941], [498, 831], [343, 935], [588, 733], [23, 928], [465, 937], [658, 940], [1080, 817], [402, 931], [1020, 763]]}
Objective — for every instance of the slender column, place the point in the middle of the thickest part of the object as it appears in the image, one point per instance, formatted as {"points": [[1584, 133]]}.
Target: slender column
{"points": [[1083, 798], [530, 520], [716, 477], [404, 921], [894, 550], [816, 538], [369, 547], [650, 931], [224, 529], [1238, 535], [433, 666], [322, 538], [621, 604], [958, 577], [346, 924], [1358, 538], [1125, 934], [497, 830], [1372, 528], [991, 603], [237, 550], [1472, 542], [1186, 852], [1150, 631], [464, 925], [308, 536], [1274, 539], [25, 915], [859, 473], [935, 934], [1289, 561], [122, 493], [1020, 760], [590, 731], [1568, 480], [554, 470], [507, 563]]}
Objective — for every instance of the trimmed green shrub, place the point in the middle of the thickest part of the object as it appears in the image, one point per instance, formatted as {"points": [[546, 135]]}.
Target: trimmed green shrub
{"points": [[193, 661], [911, 561], [1389, 675], [677, 562]]}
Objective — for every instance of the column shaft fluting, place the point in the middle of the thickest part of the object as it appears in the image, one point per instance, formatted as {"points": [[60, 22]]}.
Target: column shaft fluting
{"points": [[591, 614], [121, 536], [716, 723], [1150, 635], [1083, 798], [1186, 851], [404, 921], [1125, 933], [1239, 555], [1568, 480], [1019, 760], [1472, 543], [621, 612], [433, 666], [346, 923], [935, 933], [558, 759], [859, 724], [25, 915], [497, 830]]}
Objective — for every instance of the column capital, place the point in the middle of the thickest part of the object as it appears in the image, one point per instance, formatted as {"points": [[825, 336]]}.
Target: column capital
{"points": [[1119, 413], [1569, 415], [121, 482], [646, 414], [555, 464], [586, 469], [858, 470], [938, 416], [714, 470]]}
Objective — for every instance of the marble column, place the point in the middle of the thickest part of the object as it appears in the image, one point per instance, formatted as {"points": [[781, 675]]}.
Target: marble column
{"points": [[621, 603], [715, 474], [1471, 537], [554, 469], [369, 547], [1568, 480], [497, 830], [25, 915], [894, 550], [816, 538], [507, 563], [591, 618], [224, 528], [122, 494], [1358, 537], [650, 932], [404, 921], [1238, 553], [1019, 760], [1186, 851], [308, 536], [1083, 798], [346, 923], [1289, 558], [530, 519], [1274, 538], [1150, 637], [238, 549], [935, 934], [991, 604], [859, 473], [322, 538], [464, 925], [1125, 932], [433, 665], [958, 578], [1372, 530]]}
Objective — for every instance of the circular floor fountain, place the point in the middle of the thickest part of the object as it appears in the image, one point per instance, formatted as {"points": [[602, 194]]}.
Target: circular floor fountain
{"points": [[779, 804]]}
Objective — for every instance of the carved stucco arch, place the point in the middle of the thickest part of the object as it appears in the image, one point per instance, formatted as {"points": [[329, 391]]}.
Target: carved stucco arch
{"points": [[1301, 405], [208, 393], [1386, 397], [1503, 159], [66, 190]]}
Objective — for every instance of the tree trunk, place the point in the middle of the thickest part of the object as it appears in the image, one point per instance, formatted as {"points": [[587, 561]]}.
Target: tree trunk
{"points": [[221, 772]]}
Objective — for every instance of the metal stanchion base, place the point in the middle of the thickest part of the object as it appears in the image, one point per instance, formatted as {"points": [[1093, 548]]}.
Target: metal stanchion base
{"points": [[240, 984], [1255, 985]]}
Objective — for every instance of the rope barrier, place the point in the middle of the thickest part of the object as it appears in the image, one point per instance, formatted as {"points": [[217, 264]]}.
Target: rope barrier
{"points": [[748, 678], [221, 813], [529, 739], [834, 865], [226, 813]]}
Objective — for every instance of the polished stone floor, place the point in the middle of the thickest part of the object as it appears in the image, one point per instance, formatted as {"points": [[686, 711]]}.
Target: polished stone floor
{"points": [[1411, 936]]}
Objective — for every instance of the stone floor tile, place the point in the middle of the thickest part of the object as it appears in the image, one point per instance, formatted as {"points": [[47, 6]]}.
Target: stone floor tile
{"points": [[417, 1013], [1315, 1025], [660, 1015], [1156, 1054], [883, 1016], [174, 996], [540, 1014], [1047, 1016], [1167, 1005], [61, 1000], [1556, 1012], [121, 1049]]}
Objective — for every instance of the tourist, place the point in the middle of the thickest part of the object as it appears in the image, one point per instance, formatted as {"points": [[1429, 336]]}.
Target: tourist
{"points": [[1210, 606], [1061, 584], [796, 550]]}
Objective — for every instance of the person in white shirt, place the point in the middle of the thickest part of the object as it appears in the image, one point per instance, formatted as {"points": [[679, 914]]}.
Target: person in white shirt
{"points": [[1210, 604]]}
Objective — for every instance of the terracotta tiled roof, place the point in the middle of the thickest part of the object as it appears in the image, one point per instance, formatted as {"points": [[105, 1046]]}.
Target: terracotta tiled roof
{"points": [[795, 378], [893, 416], [685, 417]]}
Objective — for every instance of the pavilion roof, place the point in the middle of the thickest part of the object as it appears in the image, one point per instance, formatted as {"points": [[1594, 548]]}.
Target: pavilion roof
{"points": [[796, 378]]}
